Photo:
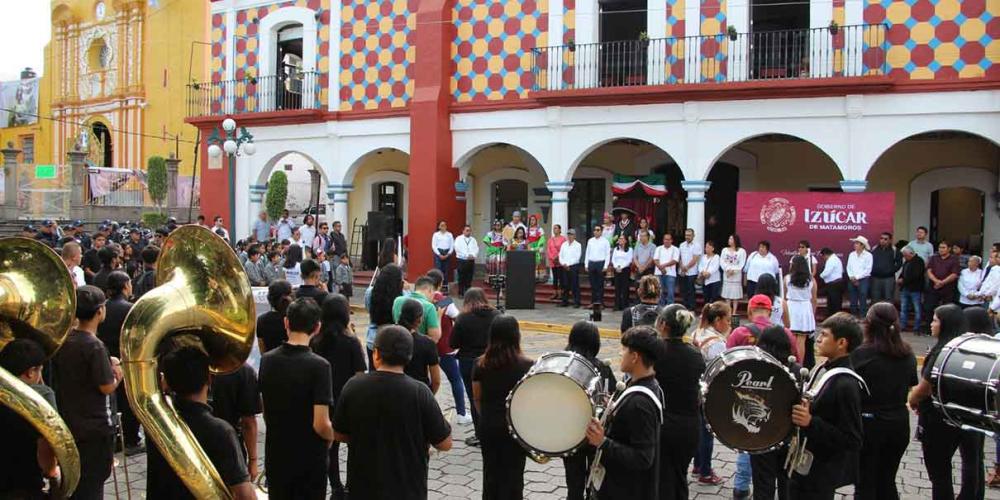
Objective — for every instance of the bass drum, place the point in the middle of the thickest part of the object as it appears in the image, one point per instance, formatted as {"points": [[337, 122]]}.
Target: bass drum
{"points": [[549, 408], [965, 379], [747, 398]]}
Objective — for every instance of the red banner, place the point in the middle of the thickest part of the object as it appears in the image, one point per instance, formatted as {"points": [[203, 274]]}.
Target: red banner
{"points": [[824, 219]]}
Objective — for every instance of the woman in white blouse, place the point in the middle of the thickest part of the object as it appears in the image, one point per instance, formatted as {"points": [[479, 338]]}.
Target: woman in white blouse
{"points": [[621, 260], [732, 259], [709, 273], [760, 262], [969, 281], [443, 245]]}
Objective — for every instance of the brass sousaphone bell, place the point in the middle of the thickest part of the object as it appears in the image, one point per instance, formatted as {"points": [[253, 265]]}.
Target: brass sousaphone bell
{"points": [[38, 302], [202, 290]]}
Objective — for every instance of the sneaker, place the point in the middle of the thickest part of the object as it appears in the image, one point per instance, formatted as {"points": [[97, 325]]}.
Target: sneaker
{"points": [[135, 450], [472, 441], [695, 472], [711, 479], [464, 419], [741, 494]]}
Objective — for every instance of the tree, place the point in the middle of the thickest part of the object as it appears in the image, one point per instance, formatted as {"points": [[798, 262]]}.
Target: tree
{"points": [[277, 194], [156, 180]]}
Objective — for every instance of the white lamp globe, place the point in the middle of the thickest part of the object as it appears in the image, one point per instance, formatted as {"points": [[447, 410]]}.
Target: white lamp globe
{"points": [[229, 124], [229, 146], [214, 151], [249, 148]]}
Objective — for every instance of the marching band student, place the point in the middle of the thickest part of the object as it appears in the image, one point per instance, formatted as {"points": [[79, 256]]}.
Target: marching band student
{"points": [[423, 365], [389, 420], [767, 469], [296, 386], [628, 443], [185, 373], [235, 398], [831, 422]]}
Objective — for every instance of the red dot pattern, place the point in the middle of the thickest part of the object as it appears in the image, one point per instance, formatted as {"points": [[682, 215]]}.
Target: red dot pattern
{"points": [[382, 90]]}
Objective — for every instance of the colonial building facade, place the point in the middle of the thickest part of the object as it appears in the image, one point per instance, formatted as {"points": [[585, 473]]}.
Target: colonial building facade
{"points": [[467, 110]]}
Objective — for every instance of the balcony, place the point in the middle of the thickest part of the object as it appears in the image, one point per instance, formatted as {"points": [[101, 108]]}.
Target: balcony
{"points": [[260, 94], [764, 56]]}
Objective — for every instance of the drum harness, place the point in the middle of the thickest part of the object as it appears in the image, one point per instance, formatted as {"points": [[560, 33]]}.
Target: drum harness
{"points": [[799, 458], [596, 476]]}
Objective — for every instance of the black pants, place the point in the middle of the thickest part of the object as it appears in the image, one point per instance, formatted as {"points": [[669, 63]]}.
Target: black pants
{"points": [[939, 441], [885, 441], [623, 280], [571, 283], [96, 457], [577, 468], [466, 268], [678, 443], [933, 299], [970, 447], [465, 368], [769, 475], [302, 485], [130, 424], [595, 272], [809, 357], [503, 467], [687, 291], [801, 488], [834, 297], [333, 469], [712, 292], [557, 277]]}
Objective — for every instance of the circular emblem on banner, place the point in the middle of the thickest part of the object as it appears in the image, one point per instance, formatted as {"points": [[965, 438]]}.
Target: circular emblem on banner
{"points": [[777, 215]]}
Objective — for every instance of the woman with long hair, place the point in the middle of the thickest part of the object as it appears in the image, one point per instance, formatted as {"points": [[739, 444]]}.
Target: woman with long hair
{"points": [[337, 344], [938, 439], [387, 255], [536, 242], [495, 374], [291, 266], [887, 364], [271, 331], [767, 285], [648, 308], [470, 335], [621, 261], [767, 469], [519, 241], [585, 340], [678, 370], [800, 300], [710, 339], [387, 286], [424, 365], [733, 258]]}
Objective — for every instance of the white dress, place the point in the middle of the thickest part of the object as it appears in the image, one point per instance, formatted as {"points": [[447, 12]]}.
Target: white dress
{"points": [[800, 311], [732, 286]]}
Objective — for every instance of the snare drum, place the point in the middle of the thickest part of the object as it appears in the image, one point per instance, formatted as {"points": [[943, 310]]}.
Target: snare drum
{"points": [[549, 409], [965, 379], [747, 398]]}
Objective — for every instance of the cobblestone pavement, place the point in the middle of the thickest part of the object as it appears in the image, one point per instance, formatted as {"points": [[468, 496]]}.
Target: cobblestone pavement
{"points": [[457, 473]]}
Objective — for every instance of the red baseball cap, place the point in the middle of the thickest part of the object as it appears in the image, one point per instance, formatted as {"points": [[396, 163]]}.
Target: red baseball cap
{"points": [[759, 302]]}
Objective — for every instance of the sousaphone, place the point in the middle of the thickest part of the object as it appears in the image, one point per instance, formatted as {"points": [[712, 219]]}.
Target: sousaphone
{"points": [[202, 290], [38, 302]]}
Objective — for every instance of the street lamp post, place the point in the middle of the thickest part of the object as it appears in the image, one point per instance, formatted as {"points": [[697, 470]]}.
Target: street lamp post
{"points": [[233, 145]]}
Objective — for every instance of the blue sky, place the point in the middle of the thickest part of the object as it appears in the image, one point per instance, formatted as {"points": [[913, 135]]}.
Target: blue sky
{"points": [[24, 31]]}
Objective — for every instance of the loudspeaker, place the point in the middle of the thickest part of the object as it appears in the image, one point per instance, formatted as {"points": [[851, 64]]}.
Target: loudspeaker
{"points": [[378, 226], [520, 279]]}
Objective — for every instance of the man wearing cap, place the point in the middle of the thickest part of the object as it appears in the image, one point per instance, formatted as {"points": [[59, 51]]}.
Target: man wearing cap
{"points": [[81, 236], [859, 271], [137, 243], [28, 231], [48, 234], [85, 375]]}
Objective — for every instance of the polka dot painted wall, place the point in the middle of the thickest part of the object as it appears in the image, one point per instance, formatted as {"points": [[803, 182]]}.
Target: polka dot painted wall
{"points": [[377, 53], [714, 44], [675, 48], [491, 53], [938, 39]]}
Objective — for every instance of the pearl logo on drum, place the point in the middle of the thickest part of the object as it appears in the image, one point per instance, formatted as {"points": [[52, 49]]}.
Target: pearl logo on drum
{"points": [[745, 381]]}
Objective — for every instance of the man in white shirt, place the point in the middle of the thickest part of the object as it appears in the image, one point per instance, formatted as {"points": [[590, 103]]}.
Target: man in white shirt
{"points": [[598, 259], [833, 277], [515, 222], [569, 258], [284, 227], [72, 254], [688, 268], [859, 271], [665, 263], [218, 227], [466, 250], [443, 245]]}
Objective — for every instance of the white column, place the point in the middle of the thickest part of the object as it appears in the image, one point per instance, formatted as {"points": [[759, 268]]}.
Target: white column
{"points": [[738, 16], [696, 207], [560, 203], [338, 193], [692, 48], [656, 29], [853, 186]]}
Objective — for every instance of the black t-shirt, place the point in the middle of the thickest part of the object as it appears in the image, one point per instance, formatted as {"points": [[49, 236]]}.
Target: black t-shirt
{"points": [[215, 436], [391, 420], [424, 355], [345, 356], [631, 453], [271, 329], [101, 279], [292, 381], [678, 372], [471, 332], [19, 469], [235, 395], [90, 262], [889, 381], [81, 366], [311, 291], [494, 386], [926, 408], [110, 330]]}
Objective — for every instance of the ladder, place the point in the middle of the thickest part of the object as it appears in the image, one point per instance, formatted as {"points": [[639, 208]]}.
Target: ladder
{"points": [[356, 246]]}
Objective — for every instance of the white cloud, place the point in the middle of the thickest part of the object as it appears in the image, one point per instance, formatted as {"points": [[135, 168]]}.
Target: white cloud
{"points": [[24, 31]]}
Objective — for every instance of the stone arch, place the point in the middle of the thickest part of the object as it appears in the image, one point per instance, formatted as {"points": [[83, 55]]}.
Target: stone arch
{"points": [[268, 32], [879, 144], [581, 154], [939, 178], [359, 161], [482, 167], [268, 167], [822, 146], [463, 156]]}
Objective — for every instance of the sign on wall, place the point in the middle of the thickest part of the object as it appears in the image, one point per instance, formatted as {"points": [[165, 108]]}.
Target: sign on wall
{"points": [[824, 219], [19, 102]]}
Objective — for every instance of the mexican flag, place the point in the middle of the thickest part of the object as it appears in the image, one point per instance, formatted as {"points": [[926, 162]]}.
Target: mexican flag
{"points": [[653, 184]]}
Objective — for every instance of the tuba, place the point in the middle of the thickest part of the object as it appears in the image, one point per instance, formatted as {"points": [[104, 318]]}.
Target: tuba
{"points": [[38, 302], [203, 290]]}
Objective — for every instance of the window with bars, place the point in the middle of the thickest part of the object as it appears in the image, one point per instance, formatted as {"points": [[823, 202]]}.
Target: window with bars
{"points": [[28, 149]]}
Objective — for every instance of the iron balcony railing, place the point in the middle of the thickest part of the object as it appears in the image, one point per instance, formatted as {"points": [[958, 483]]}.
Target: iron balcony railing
{"points": [[835, 51], [256, 94]]}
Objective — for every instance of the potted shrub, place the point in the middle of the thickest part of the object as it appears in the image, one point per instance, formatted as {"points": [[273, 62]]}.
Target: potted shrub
{"points": [[571, 45], [643, 38], [834, 28], [731, 31]]}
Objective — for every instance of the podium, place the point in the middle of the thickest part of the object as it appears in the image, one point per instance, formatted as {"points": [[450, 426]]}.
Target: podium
{"points": [[520, 279]]}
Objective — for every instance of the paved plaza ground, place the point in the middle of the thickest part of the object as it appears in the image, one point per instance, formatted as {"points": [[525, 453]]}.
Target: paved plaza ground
{"points": [[457, 474]]}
